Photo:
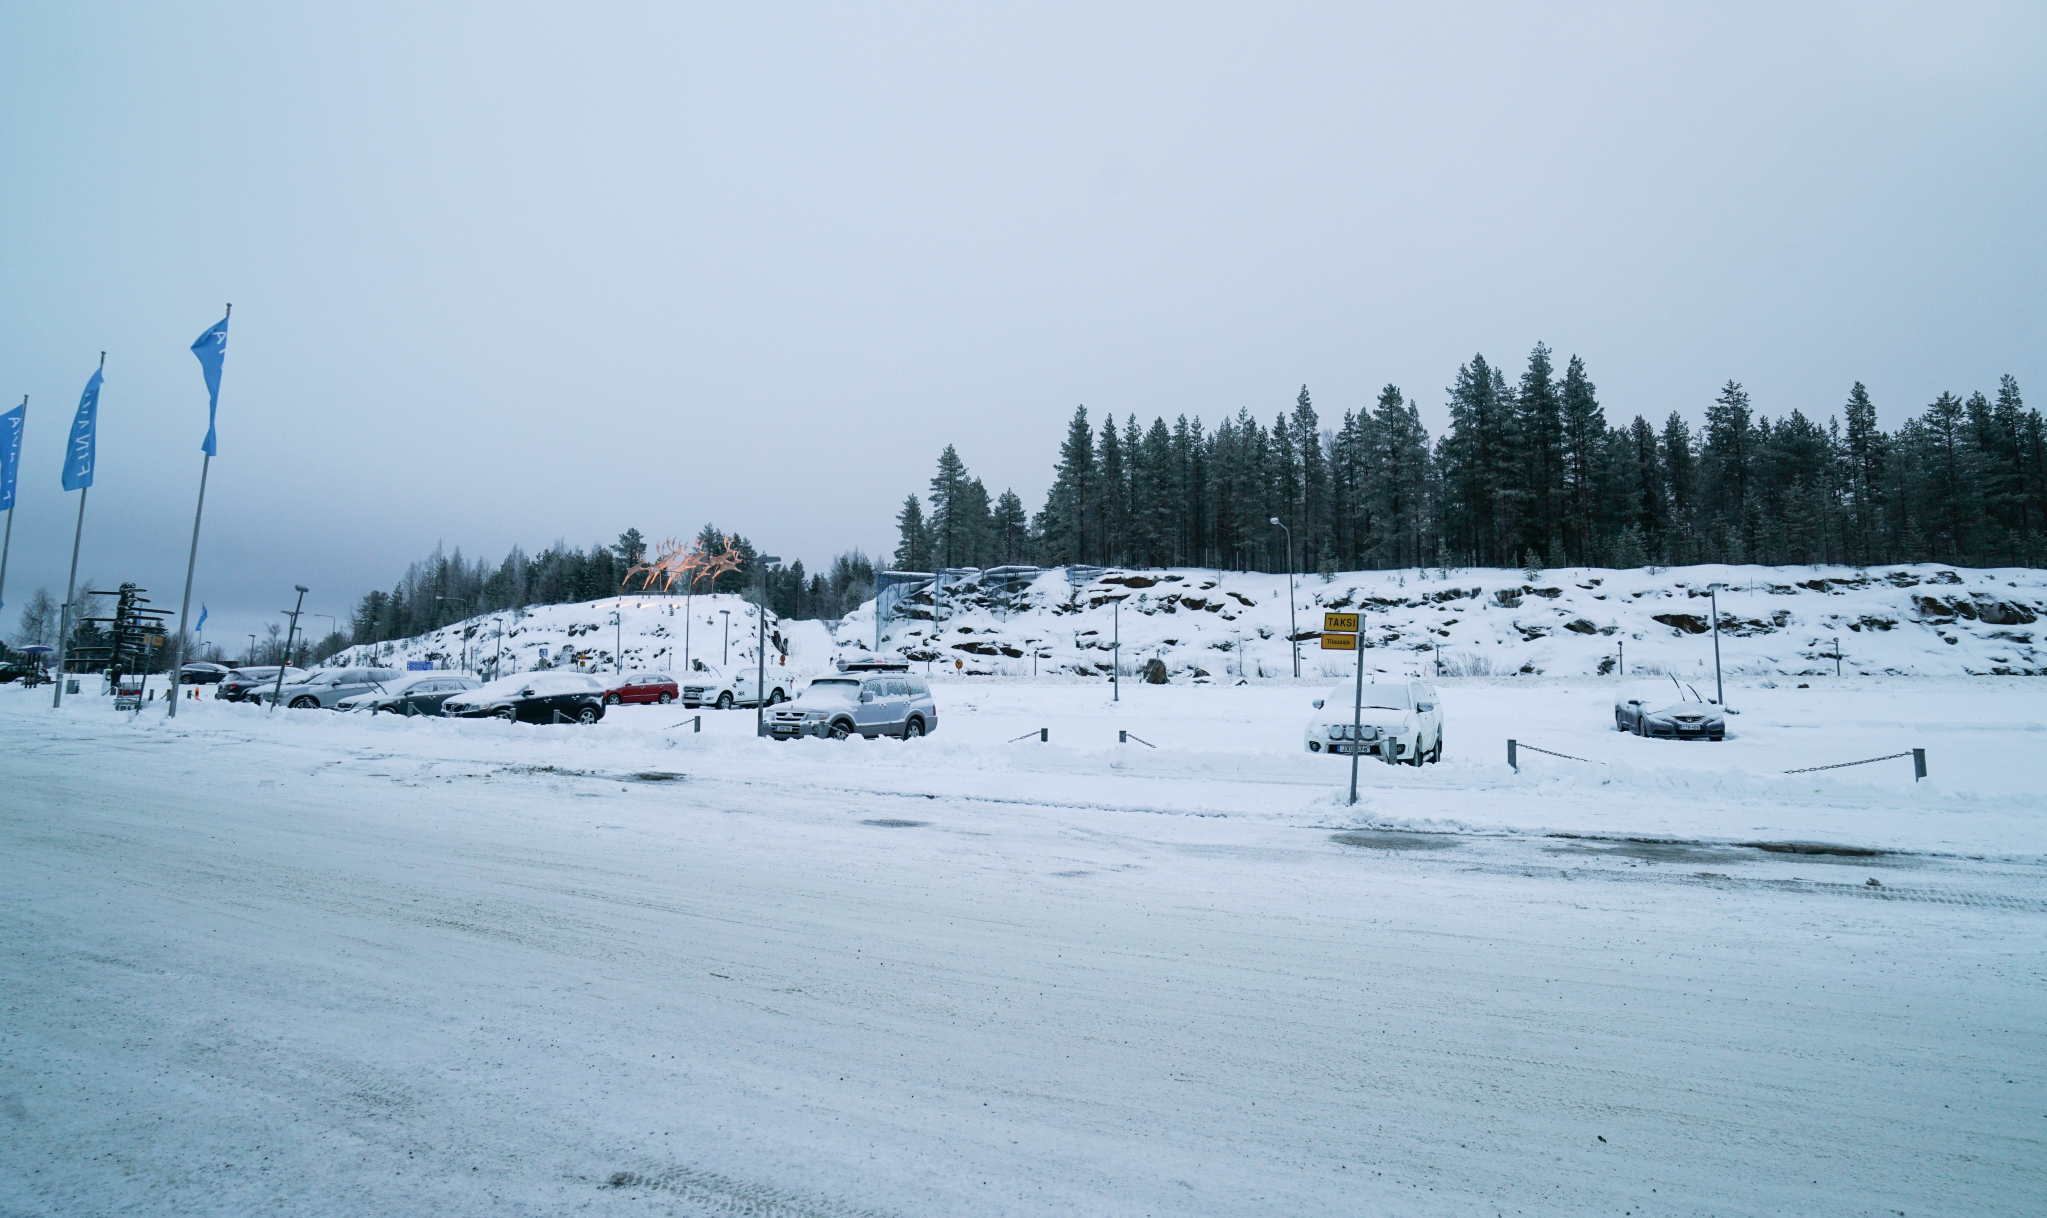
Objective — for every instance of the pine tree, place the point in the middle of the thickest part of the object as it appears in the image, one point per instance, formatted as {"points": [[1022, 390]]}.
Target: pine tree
{"points": [[1726, 453], [1069, 513], [1539, 419], [951, 542], [1584, 437], [1011, 528], [913, 538]]}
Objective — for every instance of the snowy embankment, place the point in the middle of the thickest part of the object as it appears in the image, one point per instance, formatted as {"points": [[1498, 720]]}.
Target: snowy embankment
{"points": [[661, 633], [1922, 620]]}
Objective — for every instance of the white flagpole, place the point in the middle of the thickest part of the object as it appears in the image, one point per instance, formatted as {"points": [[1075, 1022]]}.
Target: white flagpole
{"points": [[71, 581], [8, 544]]}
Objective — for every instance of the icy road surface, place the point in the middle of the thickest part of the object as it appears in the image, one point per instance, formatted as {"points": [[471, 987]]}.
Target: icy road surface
{"points": [[304, 963]]}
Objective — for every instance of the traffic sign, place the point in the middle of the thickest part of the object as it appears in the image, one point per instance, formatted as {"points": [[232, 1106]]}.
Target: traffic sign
{"points": [[1340, 623], [1339, 642]]}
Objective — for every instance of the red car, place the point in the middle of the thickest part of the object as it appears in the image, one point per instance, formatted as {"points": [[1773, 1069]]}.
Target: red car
{"points": [[641, 687]]}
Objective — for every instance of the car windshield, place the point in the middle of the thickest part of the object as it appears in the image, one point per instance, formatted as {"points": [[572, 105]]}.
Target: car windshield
{"points": [[1377, 697], [843, 688]]}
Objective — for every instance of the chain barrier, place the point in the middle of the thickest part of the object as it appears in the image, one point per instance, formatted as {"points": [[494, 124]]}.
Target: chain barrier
{"points": [[1043, 734], [1813, 769], [1566, 756]]}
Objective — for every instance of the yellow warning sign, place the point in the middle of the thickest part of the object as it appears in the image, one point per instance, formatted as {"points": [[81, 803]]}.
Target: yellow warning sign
{"points": [[1341, 623], [1339, 642]]}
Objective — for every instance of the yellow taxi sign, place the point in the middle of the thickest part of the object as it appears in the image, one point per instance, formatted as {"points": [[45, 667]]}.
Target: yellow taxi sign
{"points": [[1339, 642], [1340, 623]]}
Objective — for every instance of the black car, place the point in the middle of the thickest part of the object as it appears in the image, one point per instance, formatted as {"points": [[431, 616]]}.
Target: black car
{"points": [[202, 672], [15, 671], [533, 697], [414, 693], [241, 684]]}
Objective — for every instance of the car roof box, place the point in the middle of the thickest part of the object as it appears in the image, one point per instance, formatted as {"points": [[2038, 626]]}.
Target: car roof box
{"points": [[874, 666]]}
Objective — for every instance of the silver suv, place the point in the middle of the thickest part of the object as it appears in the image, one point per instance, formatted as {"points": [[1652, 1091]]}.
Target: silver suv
{"points": [[868, 703], [325, 687]]}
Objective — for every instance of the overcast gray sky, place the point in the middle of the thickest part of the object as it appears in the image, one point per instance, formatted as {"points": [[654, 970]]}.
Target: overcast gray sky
{"points": [[511, 274]]}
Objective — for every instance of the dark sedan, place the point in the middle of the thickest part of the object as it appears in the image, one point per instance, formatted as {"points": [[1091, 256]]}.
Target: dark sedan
{"points": [[534, 697], [203, 672]]}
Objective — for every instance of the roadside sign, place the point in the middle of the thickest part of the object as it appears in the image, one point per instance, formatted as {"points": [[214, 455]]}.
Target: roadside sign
{"points": [[1339, 642], [1340, 623], [419, 665]]}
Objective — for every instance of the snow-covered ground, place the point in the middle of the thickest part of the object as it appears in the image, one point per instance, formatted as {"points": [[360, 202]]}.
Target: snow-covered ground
{"points": [[302, 962]]}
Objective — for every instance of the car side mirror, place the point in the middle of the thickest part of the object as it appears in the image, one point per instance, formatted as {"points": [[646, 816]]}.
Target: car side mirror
{"points": [[525, 693], [1318, 704], [866, 696], [1425, 707]]}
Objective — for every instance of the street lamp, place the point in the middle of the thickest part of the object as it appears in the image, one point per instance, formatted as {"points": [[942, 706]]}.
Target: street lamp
{"points": [[727, 615], [278, 691], [1293, 623], [1719, 690], [252, 649], [760, 681], [617, 642]]}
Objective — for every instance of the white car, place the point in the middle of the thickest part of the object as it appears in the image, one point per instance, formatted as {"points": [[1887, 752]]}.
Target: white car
{"points": [[708, 685], [1398, 721]]}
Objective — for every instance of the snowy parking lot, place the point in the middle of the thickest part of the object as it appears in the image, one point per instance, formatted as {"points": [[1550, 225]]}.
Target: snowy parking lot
{"points": [[302, 962]]}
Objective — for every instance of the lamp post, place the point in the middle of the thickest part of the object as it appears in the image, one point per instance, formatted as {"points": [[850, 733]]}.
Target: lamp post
{"points": [[278, 690], [1293, 624], [760, 681], [1719, 690], [252, 649], [462, 658], [1116, 650], [727, 615], [618, 641]]}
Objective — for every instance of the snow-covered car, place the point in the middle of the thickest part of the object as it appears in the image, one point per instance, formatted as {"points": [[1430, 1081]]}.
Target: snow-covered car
{"points": [[1667, 708], [709, 685], [326, 687], [242, 683], [202, 672], [843, 704], [656, 687], [531, 697], [412, 693], [1398, 721]]}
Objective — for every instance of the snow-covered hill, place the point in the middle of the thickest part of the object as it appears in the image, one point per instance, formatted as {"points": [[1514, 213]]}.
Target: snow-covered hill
{"points": [[1925, 619], [653, 632]]}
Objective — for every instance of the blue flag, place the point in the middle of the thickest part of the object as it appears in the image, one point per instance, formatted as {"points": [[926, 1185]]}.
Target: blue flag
{"points": [[81, 449], [202, 618], [10, 453], [211, 348]]}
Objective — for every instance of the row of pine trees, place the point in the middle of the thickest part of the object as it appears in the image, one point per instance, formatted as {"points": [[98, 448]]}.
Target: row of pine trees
{"points": [[1530, 473]]}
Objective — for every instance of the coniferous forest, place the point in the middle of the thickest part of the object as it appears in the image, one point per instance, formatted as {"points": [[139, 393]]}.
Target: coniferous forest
{"points": [[1530, 473]]}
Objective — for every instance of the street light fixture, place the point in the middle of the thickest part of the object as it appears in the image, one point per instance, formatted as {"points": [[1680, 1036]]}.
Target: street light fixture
{"points": [[1293, 623]]}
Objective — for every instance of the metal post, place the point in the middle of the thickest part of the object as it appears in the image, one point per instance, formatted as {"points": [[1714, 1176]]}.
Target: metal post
{"points": [[70, 591], [760, 681], [1357, 722], [185, 606], [1624, 657], [1511, 762], [1293, 624], [727, 657], [618, 640], [1837, 655], [1719, 689], [1116, 651], [278, 691], [1918, 764]]}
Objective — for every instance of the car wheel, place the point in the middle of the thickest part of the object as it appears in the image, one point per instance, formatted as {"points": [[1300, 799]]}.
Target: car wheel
{"points": [[725, 700], [588, 714], [774, 696], [841, 730], [665, 699], [913, 729], [1415, 758], [1436, 754], [1620, 722], [304, 703], [1639, 731], [507, 713], [611, 699]]}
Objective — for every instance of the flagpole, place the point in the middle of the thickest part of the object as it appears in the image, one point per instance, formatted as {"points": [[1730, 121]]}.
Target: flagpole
{"points": [[185, 606], [8, 544], [70, 587], [192, 558]]}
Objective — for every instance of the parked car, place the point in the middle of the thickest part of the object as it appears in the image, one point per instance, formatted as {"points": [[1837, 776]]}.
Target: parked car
{"points": [[708, 685], [202, 672], [410, 693], [641, 687], [15, 670], [839, 705], [531, 697], [1399, 721], [241, 684], [1669, 709], [326, 687]]}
